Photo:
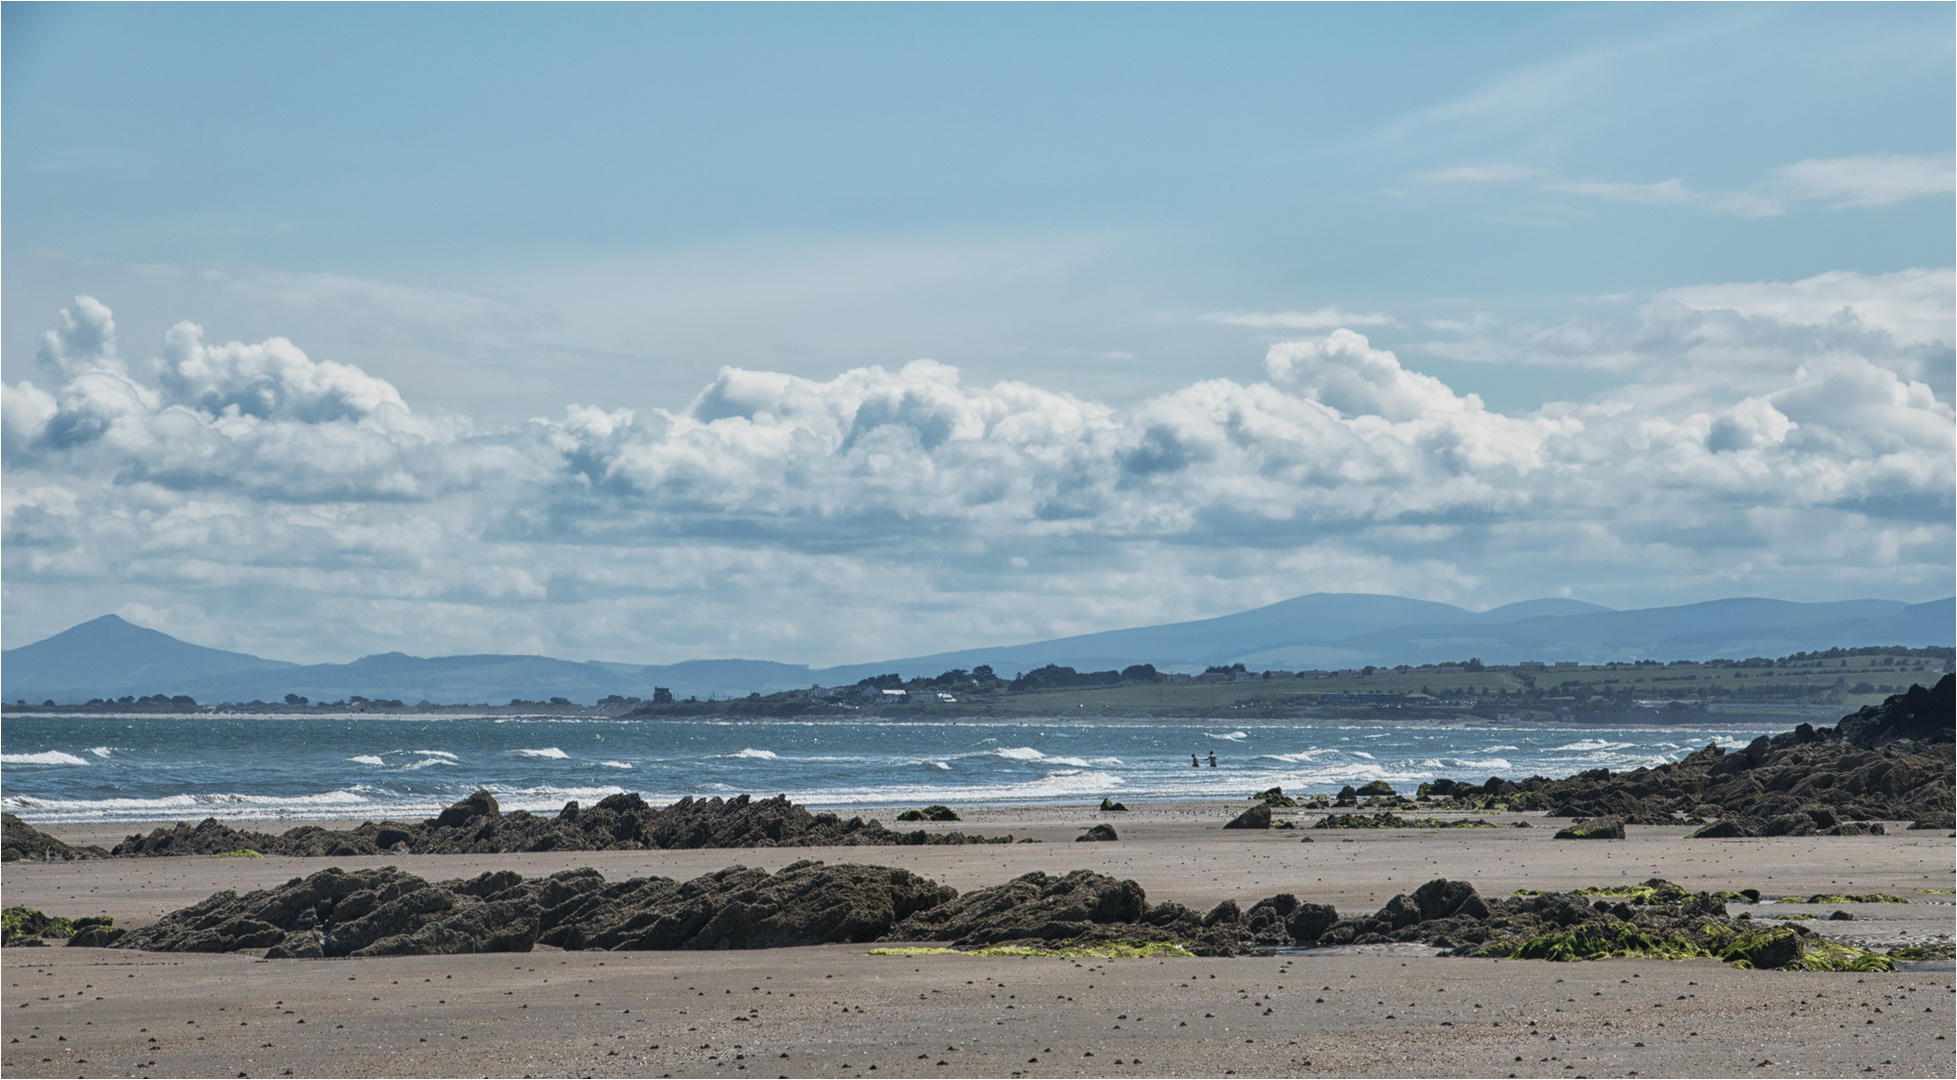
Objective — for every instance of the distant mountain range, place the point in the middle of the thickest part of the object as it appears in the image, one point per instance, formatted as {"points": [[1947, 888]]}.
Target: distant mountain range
{"points": [[109, 657]]}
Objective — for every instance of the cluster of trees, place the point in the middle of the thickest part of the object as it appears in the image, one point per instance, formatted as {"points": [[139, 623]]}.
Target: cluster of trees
{"points": [[129, 699], [1058, 677]]}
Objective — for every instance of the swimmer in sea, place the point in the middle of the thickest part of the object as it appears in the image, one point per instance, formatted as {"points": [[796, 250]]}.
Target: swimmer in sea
{"points": [[1193, 763], [1212, 759]]}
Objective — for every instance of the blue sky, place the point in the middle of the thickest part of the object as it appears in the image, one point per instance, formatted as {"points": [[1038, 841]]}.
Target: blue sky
{"points": [[596, 318]]}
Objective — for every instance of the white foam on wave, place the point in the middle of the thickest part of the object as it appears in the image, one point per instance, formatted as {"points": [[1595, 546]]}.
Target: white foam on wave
{"points": [[436, 754], [1363, 754], [1592, 744], [45, 757], [367, 759], [942, 765], [1019, 753], [1299, 757], [205, 804], [756, 755], [1431, 763], [102, 751], [546, 752], [1495, 749], [1060, 783], [425, 762], [1482, 763], [1234, 736], [615, 764]]}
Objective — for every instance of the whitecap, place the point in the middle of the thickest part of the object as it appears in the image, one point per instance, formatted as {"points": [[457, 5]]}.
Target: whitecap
{"points": [[45, 757], [1363, 754], [367, 759], [1592, 744], [1485, 763], [1020, 753], [425, 762], [757, 755], [941, 765], [614, 764], [1431, 763], [1232, 737], [101, 751], [1493, 749], [546, 752], [435, 753]]}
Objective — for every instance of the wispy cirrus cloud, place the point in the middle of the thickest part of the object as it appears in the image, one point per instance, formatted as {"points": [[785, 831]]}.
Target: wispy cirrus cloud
{"points": [[1866, 180], [1325, 318]]}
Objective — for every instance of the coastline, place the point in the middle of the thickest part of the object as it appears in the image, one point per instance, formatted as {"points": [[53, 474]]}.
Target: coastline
{"points": [[1367, 1011]]}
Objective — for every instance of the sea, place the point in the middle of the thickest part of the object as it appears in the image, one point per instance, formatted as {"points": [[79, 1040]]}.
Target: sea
{"points": [[66, 768]]}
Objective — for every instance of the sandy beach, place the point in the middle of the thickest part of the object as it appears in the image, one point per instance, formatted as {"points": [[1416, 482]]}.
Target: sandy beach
{"points": [[836, 1010]]}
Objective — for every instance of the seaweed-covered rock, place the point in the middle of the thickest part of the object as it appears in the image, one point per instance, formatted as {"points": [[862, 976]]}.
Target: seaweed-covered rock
{"points": [[21, 842], [1110, 806], [1376, 787], [1097, 832], [1274, 797], [1257, 817], [933, 812], [1604, 828]]}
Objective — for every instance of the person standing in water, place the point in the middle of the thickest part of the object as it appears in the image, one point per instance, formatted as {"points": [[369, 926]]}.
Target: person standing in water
{"points": [[1212, 759], [1193, 763]]}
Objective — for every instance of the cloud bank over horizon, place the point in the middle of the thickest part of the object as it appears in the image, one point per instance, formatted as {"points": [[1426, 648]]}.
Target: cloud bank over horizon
{"points": [[1788, 439]]}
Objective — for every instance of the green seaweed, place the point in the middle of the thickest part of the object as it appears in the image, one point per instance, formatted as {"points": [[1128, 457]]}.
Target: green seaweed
{"points": [[1799, 915], [241, 853], [1107, 950], [1780, 947], [1923, 952], [1391, 820], [1942, 891], [930, 813], [23, 923], [1843, 898]]}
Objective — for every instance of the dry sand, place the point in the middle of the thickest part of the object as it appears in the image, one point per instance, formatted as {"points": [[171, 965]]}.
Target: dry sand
{"points": [[835, 1010]]}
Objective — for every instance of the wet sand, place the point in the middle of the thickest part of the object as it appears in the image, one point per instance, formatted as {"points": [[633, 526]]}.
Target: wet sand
{"points": [[835, 1010]]}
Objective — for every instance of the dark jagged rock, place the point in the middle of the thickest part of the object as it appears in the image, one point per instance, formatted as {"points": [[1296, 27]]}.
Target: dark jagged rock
{"points": [[1084, 908], [21, 842], [387, 912], [1275, 797], [1890, 762], [1110, 806], [1377, 787], [1945, 820], [27, 926], [806, 903], [625, 822], [1607, 828], [1257, 817], [930, 813], [1389, 820], [1097, 832]]}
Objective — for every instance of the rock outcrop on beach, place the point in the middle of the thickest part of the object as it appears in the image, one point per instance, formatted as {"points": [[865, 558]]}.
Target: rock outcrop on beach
{"points": [[1894, 761], [388, 912], [477, 825], [21, 842]]}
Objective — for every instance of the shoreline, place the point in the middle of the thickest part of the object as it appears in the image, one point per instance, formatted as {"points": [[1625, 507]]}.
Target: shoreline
{"points": [[835, 1010]]}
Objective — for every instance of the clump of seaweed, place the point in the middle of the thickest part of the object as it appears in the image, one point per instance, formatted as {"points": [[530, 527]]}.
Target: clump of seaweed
{"points": [[930, 813], [1106, 950], [1844, 898], [25, 925], [241, 853]]}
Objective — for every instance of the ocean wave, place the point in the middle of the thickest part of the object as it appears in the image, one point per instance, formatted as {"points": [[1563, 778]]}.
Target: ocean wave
{"points": [[1484, 763], [425, 762], [941, 765], [367, 759], [756, 755], [207, 804], [1362, 753], [102, 751], [1019, 753], [45, 757], [615, 764], [1235, 736], [547, 752], [1591, 744], [436, 754], [1494, 749]]}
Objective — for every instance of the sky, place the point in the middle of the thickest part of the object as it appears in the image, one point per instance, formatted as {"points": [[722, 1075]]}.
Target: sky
{"points": [[832, 333]]}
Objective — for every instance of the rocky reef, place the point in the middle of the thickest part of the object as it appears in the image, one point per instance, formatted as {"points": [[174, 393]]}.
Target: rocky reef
{"points": [[388, 912], [476, 825], [1896, 761]]}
